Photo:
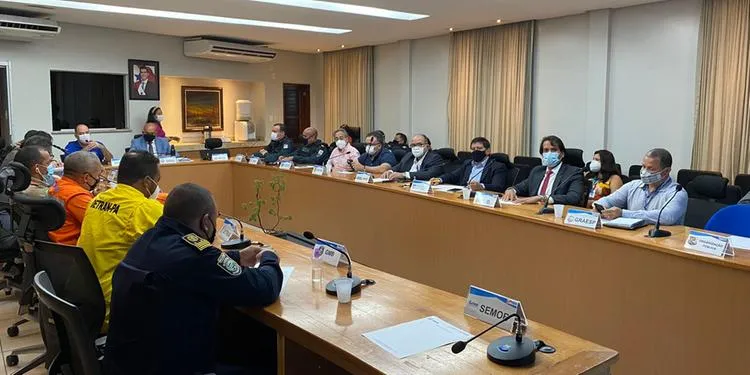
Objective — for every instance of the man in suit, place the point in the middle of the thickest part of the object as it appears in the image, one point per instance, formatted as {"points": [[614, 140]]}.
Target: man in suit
{"points": [[149, 142], [420, 164], [146, 84], [479, 173], [553, 181]]}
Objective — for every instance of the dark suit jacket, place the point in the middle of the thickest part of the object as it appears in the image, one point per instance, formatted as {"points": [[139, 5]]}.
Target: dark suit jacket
{"points": [[432, 166], [493, 177], [567, 188]]}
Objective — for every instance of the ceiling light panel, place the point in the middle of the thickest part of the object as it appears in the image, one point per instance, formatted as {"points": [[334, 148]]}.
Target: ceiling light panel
{"points": [[347, 8], [114, 9]]}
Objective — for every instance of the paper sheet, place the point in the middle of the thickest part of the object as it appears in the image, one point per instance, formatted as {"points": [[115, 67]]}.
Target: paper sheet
{"points": [[447, 187], [304, 166], [380, 180], [507, 203], [287, 275], [417, 336], [738, 242]]}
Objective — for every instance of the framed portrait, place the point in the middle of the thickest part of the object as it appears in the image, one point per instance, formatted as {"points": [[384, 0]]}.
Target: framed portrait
{"points": [[202, 106], [143, 79]]}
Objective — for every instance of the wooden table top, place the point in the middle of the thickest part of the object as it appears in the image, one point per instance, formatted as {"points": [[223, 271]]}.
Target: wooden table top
{"points": [[670, 245], [306, 314]]}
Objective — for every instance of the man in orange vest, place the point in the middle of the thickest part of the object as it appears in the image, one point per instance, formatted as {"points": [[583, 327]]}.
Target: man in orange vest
{"points": [[81, 174]]}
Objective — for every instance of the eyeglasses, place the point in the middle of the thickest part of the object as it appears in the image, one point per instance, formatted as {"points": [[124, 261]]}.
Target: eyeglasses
{"points": [[417, 145]]}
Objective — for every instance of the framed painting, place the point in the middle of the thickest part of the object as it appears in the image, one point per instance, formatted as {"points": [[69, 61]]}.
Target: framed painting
{"points": [[143, 81], [202, 106]]}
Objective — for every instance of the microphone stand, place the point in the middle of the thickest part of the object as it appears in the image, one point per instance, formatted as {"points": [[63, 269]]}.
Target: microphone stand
{"points": [[655, 232], [512, 351], [237, 244], [331, 285]]}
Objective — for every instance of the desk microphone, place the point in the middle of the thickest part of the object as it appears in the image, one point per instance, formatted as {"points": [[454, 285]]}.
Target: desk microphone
{"points": [[655, 232], [331, 286], [340, 155], [513, 351], [237, 244], [546, 209]]}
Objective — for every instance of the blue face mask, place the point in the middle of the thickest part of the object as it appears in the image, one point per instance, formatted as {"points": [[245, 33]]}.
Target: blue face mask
{"points": [[49, 178], [550, 159]]}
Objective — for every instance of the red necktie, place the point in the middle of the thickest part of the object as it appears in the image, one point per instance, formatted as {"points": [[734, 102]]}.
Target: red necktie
{"points": [[543, 191]]}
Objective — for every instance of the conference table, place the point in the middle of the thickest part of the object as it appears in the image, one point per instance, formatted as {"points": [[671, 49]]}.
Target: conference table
{"points": [[666, 310]]}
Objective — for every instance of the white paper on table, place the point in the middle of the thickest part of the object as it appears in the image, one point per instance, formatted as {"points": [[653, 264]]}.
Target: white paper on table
{"points": [[738, 242], [379, 180], [287, 271], [446, 187], [344, 172], [417, 336], [304, 166], [507, 203]]}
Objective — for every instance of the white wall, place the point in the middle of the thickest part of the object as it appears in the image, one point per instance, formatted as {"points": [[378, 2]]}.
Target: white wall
{"points": [[93, 49], [623, 79]]}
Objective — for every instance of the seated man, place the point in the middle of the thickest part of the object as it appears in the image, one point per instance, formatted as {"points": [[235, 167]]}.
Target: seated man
{"points": [[554, 181], [119, 216], [644, 198], [31, 138], [377, 159], [83, 142], [149, 142], [39, 162], [479, 173], [168, 290], [314, 151], [75, 190], [421, 164], [343, 153], [280, 145]]}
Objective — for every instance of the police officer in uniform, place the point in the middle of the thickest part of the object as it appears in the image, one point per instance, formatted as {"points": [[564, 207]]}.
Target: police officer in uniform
{"points": [[313, 152], [168, 290], [280, 145]]}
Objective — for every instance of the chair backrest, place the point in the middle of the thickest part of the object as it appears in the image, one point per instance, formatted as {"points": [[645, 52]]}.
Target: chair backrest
{"points": [[619, 168], [634, 172], [684, 176], [452, 166], [733, 195], [14, 177], [464, 155], [584, 201], [574, 157], [743, 181], [76, 343], [699, 211], [523, 173], [531, 161], [512, 177], [399, 153], [206, 154], [360, 147], [625, 179], [448, 154], [502, 158], [731, 220], [708, 187]]}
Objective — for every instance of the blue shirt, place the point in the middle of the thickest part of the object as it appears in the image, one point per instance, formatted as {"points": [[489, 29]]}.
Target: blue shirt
{"points": [[477, 169], [75, 146], [638, 203], [384, 156]]}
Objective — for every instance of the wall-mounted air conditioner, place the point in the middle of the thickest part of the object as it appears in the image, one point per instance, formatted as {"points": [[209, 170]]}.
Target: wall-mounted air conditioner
{"points": [[206, 48], [27, 29]]}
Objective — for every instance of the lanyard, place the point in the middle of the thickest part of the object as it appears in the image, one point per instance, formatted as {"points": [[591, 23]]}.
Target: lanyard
{"points": [[650, 197]]}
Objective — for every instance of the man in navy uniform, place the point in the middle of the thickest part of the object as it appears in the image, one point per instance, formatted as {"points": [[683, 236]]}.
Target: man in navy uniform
{"points": [[280, 145], [168, 290]]}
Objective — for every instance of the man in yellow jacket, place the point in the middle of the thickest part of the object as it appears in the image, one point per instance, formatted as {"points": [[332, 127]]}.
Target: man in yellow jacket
{"points": [[119, 216]]}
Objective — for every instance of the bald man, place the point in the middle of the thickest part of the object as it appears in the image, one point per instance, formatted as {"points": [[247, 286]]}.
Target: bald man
{"points": [[150, 142], [313, 151], [84, 142], [81, 175]]}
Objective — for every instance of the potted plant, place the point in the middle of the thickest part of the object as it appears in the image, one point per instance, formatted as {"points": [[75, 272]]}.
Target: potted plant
{"points": [[255, 208]]}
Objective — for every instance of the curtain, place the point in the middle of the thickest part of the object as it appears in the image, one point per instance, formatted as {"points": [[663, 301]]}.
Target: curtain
{"points": [[722, 126], [348, 89], [490, 87]]}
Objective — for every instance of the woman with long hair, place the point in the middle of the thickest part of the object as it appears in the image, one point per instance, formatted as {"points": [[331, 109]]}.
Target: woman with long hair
{"points": [[156, 116], [604, 176]]}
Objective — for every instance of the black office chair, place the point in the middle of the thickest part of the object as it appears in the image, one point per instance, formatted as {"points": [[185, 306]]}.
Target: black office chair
{"points": [[208, 154], [625, 179], [619, 168], [743, 181], [684, 176], [699, 211], [712, 188], [360, 147], [587, 184], [448, 154], [399, 153], [574, 157], [634, 172], [463, 155], [452, 166], [71, 324], [523, 172], [531, 161], [74, 280]]}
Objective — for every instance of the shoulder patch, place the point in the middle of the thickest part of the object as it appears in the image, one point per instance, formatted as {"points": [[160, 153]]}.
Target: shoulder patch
{"points": [[226, 263], [286, 145], [196, 241], [320, 152]]}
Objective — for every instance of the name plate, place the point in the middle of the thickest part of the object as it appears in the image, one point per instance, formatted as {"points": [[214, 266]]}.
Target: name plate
{"points": [[318, 170], [583, 219], [239, 158], [286, 165], [228, 231], [422, 187], [709, 244], [254, 160], [115, 162], [491, 307], [168, 160], [325, 251], [363, 177], [220, 157], [485, 199]]}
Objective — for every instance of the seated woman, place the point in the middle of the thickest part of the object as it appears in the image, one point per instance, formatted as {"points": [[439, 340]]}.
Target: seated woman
{"points": [[156, 115], [604, 176]]}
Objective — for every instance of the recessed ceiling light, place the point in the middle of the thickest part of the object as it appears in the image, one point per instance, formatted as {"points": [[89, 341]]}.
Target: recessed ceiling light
{"points": [[65, 4], [450, 29], [347, 8], [317, 50], [342, 46], [499, 21]]}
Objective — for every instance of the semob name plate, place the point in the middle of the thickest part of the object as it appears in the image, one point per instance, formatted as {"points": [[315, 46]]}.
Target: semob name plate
{"points": [[491, 307], [708, 243], [318, 170], [254, 160], [168, 160], [363, 177], [220, 157], [286, 165], [583, 219], [485, 199], [422, 187]]}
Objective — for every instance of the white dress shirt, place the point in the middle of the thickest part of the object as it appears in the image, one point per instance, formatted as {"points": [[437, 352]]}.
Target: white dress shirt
{"points": [[555, 172]]}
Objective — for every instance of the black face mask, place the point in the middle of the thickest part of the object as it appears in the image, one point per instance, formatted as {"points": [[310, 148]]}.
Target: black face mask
{"points": [[478, 156], [91, 187], [149, 137]]}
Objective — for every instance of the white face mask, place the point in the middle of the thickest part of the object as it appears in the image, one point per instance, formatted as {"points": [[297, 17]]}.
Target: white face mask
{"points": [[84, 138], [341, 144], [274, 136], [648, 177], [417, 151], [156, 191], [159, 118], [371, 150], [595, 166]]}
